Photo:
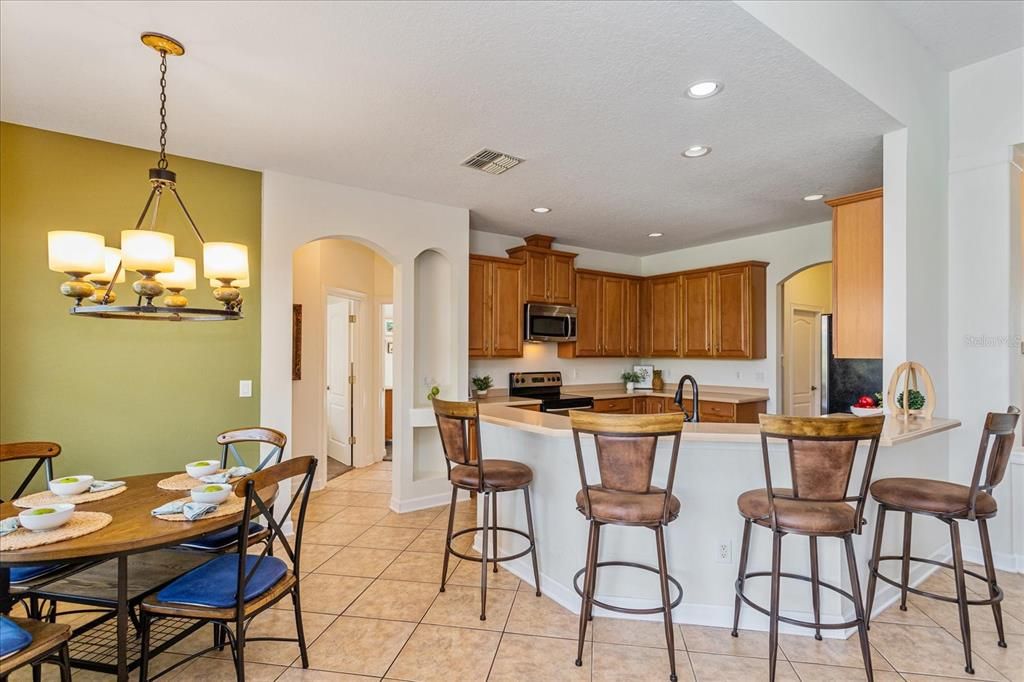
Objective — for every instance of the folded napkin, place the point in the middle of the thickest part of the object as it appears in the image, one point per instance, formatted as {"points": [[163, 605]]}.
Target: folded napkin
{"points": [[225, 476], [9, 525], [100, 486], [191, 510]]}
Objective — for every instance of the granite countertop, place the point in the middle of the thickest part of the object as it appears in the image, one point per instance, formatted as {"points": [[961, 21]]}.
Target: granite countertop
{"points": [[501, 412], [716, 394]]}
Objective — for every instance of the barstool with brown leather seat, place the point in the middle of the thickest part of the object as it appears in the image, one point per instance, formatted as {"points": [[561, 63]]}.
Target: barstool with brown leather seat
{"points": [[950, 503], [822, 451], [626, 445], [459, 426]]}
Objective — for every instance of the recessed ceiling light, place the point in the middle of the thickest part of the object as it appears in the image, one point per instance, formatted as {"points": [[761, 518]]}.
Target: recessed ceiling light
{"points": [[541, 209], [814, 197], [703, 89], [696, 151], [656, 234]]}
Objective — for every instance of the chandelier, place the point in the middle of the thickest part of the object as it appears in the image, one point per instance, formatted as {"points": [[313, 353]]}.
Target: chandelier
{"points": [[94, 267]]}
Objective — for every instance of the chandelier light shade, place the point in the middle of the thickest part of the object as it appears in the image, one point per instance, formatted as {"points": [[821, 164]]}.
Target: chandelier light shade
{"points": [[225, 261], [111, 268], [147, 252], [182, 277], [96, 268], [77, 253]]}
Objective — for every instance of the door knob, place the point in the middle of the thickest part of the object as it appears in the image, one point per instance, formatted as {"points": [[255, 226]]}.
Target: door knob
{"points": [[814, 388]]}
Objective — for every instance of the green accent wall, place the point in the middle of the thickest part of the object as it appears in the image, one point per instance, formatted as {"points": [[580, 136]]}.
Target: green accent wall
{"points": [[121, 397]]}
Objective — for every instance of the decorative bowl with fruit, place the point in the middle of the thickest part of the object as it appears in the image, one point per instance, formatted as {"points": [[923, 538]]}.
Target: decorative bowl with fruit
{"points": [[866, 406], [70, 485], [211, 493], [46, 518], [202, 468]]}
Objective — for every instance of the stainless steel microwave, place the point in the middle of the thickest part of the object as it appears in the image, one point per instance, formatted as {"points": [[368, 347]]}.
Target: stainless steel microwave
{"points": [[550, 322]]}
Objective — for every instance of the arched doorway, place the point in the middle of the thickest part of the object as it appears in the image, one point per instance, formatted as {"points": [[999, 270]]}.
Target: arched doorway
{"points": [[805, 298], [339, 407]]}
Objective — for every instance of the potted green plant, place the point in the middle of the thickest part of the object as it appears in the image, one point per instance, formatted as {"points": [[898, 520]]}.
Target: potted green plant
{"points": [[632, 379], [482, 384]]}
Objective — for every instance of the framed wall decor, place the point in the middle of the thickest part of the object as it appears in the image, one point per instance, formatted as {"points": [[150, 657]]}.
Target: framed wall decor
{"points": [[646, 373], [296, 341]]}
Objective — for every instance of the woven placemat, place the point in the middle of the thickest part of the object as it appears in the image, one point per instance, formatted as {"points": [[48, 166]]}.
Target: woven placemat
{"points": [[80, 523], [185, 482], [46, 498], [232, 505]]}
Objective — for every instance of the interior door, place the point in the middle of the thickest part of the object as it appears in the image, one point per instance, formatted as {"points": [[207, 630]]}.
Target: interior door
{"points": [[803, 363], [340, 313]]}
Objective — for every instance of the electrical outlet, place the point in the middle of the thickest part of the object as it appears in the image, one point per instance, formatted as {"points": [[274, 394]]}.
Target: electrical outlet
{"points": [[739, 375], [723, 553], [760, 376], [245, 388]]}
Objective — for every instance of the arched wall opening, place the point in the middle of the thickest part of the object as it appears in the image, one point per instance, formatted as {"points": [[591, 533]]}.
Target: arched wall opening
{"points": [[804, 296], [342, 422], [297, 211]]}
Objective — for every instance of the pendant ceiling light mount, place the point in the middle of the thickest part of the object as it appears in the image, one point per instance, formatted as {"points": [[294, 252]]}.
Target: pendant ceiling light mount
{"points": [[94, 268]]}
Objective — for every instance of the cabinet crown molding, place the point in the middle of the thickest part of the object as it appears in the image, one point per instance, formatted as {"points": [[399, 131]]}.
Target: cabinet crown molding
{"points": [[854, 198]]}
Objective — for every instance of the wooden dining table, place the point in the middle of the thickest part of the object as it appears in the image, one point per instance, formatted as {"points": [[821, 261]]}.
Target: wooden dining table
{"points": [[133, 530]]}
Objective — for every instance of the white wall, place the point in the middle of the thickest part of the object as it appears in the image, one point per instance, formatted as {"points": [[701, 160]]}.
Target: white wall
{"points": [[299, 210], [786, 252], [986, 115], [347, 265]]}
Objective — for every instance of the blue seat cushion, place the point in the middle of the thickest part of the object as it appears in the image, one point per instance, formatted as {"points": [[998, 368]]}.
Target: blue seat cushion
{"points": [[222, 538], [13, 637], [21, 574], [215, 583]]}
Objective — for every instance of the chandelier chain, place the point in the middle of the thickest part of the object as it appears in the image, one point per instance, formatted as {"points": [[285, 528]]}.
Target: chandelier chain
{"points": [[163, 110]]}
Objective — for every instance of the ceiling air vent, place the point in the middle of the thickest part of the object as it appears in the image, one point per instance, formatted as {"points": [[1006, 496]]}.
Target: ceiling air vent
{"points": [[490, 161]]}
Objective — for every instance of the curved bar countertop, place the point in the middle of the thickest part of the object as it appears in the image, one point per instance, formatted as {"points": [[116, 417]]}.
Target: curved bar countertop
{"points": [[717, 462]]}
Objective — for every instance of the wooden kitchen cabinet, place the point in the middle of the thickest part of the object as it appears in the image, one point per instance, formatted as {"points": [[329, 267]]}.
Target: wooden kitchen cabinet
{"points": [[632, 318], [550, 274], [738, 311], [605, 307], [857, 275], [662, 312], [614, 405], [588, 319], [495, 307], [698, 311], [723, 413]]}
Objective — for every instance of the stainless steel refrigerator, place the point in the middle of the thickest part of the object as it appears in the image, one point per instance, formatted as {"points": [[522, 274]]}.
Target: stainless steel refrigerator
{"points": [[844, 380]]}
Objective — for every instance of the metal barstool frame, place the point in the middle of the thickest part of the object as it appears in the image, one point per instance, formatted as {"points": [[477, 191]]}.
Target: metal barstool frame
{"points": [[810, 429], [998, 426], [626, 426], [468, 413]]}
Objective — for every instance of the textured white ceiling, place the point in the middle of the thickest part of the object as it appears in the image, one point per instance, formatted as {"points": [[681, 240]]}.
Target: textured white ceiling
{"points": [[961, 32], [393, 96]]}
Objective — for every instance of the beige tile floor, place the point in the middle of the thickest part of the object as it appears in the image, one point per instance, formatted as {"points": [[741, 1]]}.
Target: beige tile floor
{"points": [[372, 611]]}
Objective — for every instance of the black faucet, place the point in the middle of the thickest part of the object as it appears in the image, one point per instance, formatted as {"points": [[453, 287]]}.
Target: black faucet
{"points": [[695, 417]]}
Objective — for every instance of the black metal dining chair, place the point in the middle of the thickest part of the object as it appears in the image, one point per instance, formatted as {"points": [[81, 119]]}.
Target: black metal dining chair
{"points": [[232, 589]]}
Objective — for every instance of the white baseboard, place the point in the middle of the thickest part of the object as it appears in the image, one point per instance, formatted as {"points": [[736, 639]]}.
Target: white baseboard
{"points": [[715, 615], [425, 502], [1004, 561]]}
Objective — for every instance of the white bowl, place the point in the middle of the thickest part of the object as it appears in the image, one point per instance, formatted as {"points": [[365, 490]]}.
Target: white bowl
{"points": [[57, 516], [203, 467], [65, 487], [866, 411], [200, 494]]}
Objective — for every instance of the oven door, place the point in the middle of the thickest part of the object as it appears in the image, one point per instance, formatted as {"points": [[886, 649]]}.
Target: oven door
{"points": [[550, 322]]}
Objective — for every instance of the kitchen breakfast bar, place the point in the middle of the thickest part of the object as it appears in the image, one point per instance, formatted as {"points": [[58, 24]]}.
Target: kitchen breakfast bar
{"points": [[717, 462]]}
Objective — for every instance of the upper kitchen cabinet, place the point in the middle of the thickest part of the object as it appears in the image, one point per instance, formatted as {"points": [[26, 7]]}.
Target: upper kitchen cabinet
{"points": [[660, 316], [550, 276], [708, 313], [495, 307], [738, 311], [697, 318], [608, 304], [857, 275]]}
